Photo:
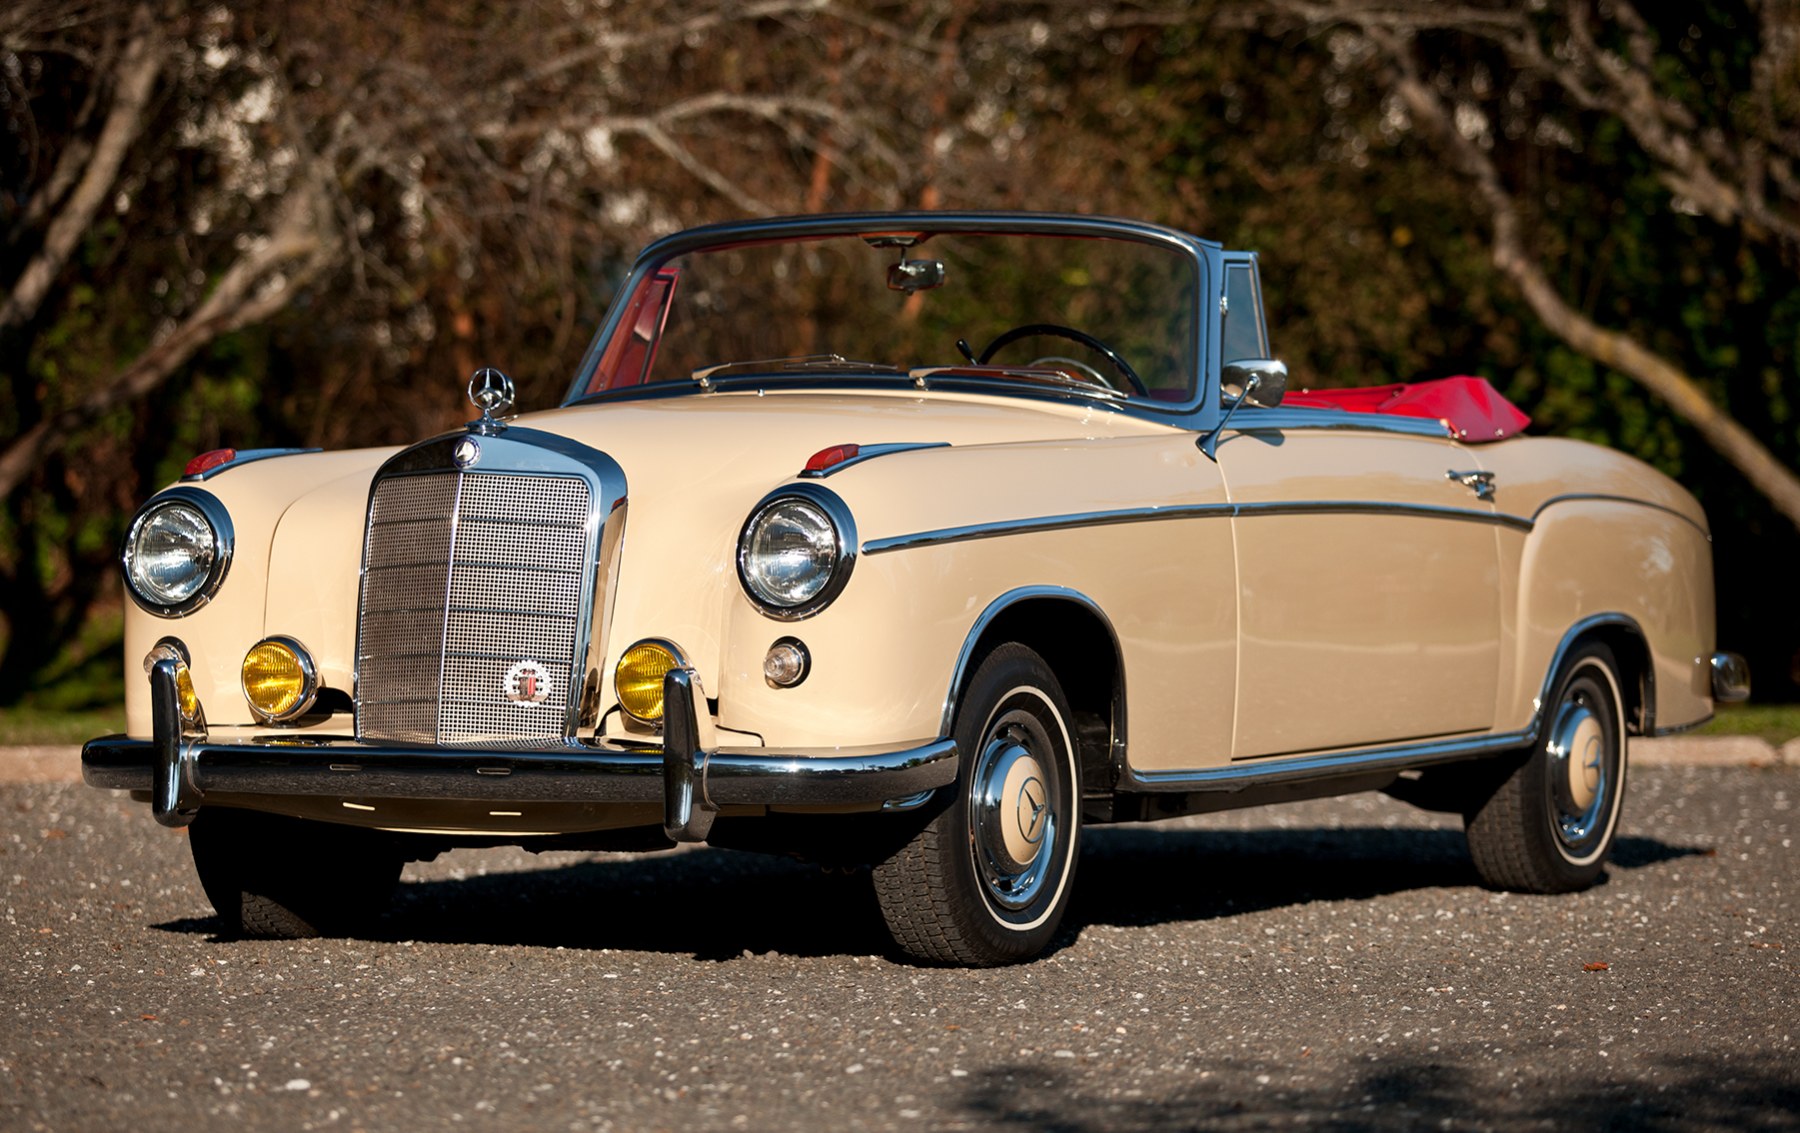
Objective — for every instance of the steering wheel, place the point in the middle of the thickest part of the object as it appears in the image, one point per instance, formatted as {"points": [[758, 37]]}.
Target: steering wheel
{"points": [[1006, 338]]}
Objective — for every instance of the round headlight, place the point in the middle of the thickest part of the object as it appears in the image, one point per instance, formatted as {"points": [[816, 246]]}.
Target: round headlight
{"points": [[796, 551], [176, 552]]}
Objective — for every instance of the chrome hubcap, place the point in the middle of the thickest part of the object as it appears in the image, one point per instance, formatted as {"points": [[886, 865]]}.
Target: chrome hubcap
{"points": [[1012, 812], [1581, 767]]}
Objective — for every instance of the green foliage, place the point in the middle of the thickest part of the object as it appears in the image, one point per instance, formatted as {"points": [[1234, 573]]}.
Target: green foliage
{"points": [[1777, 723]]}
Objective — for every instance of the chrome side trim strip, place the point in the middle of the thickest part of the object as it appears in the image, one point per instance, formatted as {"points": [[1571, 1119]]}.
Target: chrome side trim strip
{"points": [[870, 452], [1602, 497], [1376, 507], [1237, 777], [1044, 523], [1073, 520]]}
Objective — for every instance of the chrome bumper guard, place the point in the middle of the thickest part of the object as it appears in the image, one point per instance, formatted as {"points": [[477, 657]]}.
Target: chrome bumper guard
{"points": [[179, 770], [1730, 678]]}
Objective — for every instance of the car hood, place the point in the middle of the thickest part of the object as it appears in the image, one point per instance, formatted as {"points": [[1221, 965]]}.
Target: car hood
{"points": [[760, 437]]}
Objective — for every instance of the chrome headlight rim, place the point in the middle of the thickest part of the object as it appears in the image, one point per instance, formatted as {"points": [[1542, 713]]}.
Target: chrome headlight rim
{"points": [[844, 549], [223, 542]]}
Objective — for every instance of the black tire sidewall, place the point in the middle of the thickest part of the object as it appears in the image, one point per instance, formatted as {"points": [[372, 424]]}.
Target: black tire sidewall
{"points": [[275, 876], [1014, 678], [1594, 665]]}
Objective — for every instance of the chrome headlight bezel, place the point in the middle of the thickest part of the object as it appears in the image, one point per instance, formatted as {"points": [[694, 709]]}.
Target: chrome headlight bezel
{"points": [[220, 541], [841, 543]]}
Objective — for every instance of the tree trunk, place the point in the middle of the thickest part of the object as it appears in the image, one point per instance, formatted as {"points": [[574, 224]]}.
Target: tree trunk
{"points": [[1610, 348]]}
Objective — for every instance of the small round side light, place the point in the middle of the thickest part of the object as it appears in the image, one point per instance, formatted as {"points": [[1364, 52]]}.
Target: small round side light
{"points": [[280, 679], [787, 663]]}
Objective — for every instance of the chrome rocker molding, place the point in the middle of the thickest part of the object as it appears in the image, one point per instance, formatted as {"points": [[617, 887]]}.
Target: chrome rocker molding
{"points": [[692, 783]]}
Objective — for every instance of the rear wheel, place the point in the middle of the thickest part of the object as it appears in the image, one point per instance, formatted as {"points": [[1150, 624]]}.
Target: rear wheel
{"points": [[1550, 824], [987, 879], [272, 876]]}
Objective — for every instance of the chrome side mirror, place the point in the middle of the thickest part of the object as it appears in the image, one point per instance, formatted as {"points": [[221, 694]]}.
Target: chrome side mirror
{"points": [[1263, 380]]}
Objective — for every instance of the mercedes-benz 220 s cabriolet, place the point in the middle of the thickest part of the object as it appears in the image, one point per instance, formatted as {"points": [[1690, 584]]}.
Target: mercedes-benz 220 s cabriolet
{"points": [[919, 542]]}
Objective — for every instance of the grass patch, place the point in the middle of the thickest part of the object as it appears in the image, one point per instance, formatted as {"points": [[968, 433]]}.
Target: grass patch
{"points": [[1777, 723], [28, 724]]}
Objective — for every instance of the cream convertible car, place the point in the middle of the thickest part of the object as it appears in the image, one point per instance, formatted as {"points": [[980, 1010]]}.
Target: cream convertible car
{"points": [[919, 541]]}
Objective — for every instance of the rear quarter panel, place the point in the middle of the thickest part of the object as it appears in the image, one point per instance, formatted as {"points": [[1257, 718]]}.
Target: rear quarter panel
{"points": [[1609, 536]]}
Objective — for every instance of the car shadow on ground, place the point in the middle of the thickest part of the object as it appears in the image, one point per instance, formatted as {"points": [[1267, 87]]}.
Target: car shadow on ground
{"points": [[721, 904], [1420, 1090]]}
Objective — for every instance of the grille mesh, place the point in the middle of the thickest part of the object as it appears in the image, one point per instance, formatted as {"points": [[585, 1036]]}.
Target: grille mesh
{"points": [[466, 576]]}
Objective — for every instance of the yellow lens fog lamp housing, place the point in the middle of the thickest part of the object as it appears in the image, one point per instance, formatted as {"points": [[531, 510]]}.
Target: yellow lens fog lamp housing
{"points": [[280, 680], [638, 678]]}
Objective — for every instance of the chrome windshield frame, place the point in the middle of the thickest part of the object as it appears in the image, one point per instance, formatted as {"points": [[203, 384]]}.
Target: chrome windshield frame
{"points": [[1198, 413]]}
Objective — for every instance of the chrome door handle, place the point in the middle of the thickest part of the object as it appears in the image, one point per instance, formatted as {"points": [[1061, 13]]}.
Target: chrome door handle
{"points": [[1481, 482]]}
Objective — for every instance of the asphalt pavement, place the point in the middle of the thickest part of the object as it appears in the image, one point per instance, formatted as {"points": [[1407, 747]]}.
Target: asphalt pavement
{"points": [[1324, 965]]}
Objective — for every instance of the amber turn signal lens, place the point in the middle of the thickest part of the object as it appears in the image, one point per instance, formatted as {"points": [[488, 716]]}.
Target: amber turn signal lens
{"points": [[639, 680], [185, 696], [278, 679]]}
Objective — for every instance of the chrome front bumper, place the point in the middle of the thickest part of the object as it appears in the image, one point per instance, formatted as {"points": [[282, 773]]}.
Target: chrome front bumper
{"points": [[180, 770]]}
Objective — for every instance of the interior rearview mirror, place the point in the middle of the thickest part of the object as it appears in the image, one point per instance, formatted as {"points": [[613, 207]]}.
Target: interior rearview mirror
{"points": [[915, 275]]}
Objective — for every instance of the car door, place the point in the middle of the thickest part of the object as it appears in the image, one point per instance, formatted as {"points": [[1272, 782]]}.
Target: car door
{"points": [[1368, 586]]}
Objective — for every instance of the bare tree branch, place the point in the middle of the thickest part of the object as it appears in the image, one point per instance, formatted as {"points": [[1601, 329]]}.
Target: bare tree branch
{"points": [[1608, 347], [264, 279], [138, 66]]}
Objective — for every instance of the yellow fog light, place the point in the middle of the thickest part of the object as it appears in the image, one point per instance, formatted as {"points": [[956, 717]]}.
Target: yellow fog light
{"points": [[639, 679], [280, 681]]}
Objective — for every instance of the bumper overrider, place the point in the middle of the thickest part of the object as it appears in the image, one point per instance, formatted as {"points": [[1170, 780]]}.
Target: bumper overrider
{"points": [[179, 770]]}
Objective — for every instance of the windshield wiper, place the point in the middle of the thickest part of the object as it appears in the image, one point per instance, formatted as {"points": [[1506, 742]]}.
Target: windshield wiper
{"points": [[1046, 375], [799, 363]]}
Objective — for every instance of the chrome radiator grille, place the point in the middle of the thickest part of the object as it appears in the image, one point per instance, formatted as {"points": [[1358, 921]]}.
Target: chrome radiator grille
{"points": [[466, 576]]}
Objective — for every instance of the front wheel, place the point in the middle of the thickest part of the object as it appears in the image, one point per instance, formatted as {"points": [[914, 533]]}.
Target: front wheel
{"points": [[272, 876], [987, 879], [1550, 824]]}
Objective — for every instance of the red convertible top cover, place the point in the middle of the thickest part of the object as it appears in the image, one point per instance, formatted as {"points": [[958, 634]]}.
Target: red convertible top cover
{"points": [[1469, 406]]}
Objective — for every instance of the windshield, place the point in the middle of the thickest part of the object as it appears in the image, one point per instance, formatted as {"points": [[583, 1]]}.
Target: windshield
{"points": [[1110, 317]]}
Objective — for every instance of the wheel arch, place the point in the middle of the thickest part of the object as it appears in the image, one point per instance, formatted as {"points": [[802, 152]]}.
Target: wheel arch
{"points": [[1077, 641], [1621, 634]]}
